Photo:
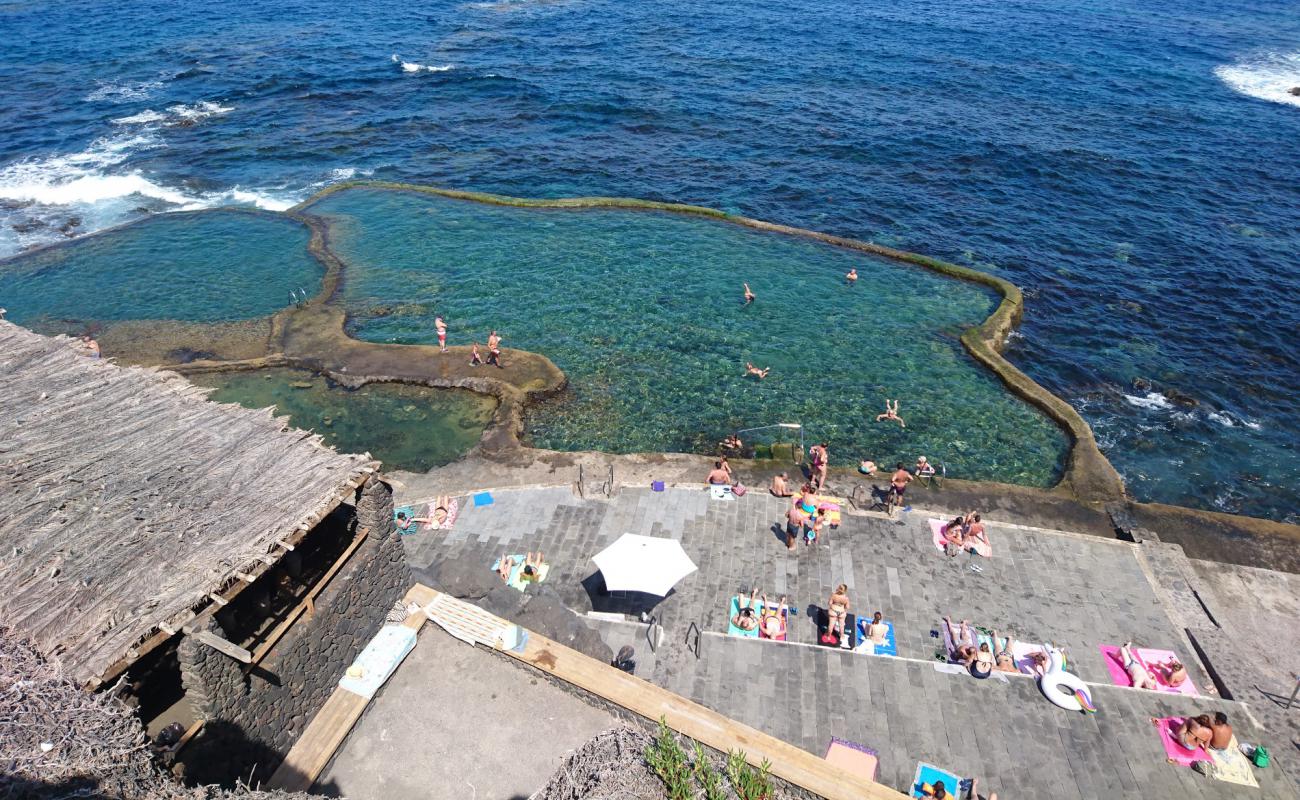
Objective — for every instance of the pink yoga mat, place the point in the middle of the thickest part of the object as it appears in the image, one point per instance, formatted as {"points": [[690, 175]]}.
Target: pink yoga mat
{"points": [[1176, 752], [1146, 656]]}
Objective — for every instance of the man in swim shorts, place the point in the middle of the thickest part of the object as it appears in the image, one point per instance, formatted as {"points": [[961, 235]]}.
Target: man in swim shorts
{"points": [[852, 276], [718, 476], [781, 485], [745, 618], [795, 521], [442, 333], [494, 350], [898, 483]]}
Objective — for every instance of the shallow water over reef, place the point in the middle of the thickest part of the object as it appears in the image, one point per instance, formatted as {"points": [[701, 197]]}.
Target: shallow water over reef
{"points": [[204, 267], [407, 427], [643, 311]]}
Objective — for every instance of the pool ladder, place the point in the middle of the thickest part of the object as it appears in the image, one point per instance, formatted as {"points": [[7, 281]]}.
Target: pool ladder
{"points": [[605, 487]]}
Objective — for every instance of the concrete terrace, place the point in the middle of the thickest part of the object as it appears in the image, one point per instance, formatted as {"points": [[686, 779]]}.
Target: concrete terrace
{"points": [[1078, 591]]}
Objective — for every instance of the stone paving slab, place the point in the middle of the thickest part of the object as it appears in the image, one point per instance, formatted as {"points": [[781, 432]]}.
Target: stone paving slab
{"points": [[1077, 591]]}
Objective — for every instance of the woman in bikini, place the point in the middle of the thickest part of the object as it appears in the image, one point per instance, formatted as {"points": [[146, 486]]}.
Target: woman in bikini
{"points": [[1004, 660], [745, 618], [961, 644], [772, 618], [1137, 671], [877, 630], [1172, 672], [954, 537], [1193, 732], [837, 609]]}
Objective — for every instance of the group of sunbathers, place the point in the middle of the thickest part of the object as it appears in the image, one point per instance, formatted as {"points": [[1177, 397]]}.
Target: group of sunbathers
{"points": [[437, 515], [1150, 676], [769, 620], [807, 517], [1212, 733], [980, 658], [532, 566], [965, 532]]}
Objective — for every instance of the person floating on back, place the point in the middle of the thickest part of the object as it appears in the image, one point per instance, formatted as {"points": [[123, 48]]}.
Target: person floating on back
{"points": [[750, 369], [749, 295]]}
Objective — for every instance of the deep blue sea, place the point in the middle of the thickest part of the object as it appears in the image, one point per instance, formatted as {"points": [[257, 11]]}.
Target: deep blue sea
{"points": [[1135, 168]]}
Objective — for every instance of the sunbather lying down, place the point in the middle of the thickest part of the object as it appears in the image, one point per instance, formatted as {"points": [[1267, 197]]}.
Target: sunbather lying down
{"points": [[440, 508], [532, 566], [746, 617], [962, 649]]}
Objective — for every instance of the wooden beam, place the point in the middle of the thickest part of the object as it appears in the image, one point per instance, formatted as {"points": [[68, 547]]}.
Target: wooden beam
{"points": [[189, 734], [308, 602], [222, 646], [331, 725]]}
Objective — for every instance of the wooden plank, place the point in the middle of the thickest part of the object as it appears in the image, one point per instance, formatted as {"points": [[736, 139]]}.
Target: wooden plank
{"points": [[222, 646], [333, 722], [307, 603], [189, 734], [789, 763]]}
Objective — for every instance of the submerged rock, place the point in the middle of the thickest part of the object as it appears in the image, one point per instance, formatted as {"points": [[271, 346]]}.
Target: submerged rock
{"points": [[1295, 90], [1142, 384], [301, 384], [1181, 398]]}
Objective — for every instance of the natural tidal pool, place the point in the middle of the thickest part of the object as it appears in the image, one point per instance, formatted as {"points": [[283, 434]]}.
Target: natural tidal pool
{"points": [[407, 427], [202, 267], [643, 311]]}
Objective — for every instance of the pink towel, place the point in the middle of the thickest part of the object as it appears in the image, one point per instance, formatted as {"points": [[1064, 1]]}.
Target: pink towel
{"points": [[937, 527], [1176, 752], [1147, 657]]}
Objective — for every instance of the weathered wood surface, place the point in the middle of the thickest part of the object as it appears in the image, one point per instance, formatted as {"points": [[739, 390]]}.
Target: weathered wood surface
{"points": [[126, 498]]}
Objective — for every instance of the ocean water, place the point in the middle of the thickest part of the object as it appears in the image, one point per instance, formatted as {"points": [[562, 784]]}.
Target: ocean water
{"points": [[643, 311], [1133, 168], [215, 266]]}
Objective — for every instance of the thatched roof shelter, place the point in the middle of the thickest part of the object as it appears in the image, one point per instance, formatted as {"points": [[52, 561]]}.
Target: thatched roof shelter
{"points": [[127, 499]]}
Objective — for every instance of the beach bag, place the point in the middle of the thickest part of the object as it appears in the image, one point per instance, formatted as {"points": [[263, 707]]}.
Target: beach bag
{"points": [[739, 490], [1260, 757]]}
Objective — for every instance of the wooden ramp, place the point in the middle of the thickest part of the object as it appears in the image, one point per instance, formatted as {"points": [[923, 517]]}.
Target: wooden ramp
{"points": [[331, 725], [803, 769]]}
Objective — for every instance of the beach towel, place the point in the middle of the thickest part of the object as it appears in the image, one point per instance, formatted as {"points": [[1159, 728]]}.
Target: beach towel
{"points": [[1231, 765], [928, 774], [852, 757], [378, 660], [785, 620], [1173, 749], [483, 499], [936, 531], [1021, 652], [409, 511], [517, 572], [732, 611], [832, 506], [1147, 657], [848, 640], [453, 511], [865, 645], [720, 492]]}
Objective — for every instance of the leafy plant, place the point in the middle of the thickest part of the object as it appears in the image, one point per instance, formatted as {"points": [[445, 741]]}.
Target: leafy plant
{"points": [[749, 783], [707, 777], [667, 758]]}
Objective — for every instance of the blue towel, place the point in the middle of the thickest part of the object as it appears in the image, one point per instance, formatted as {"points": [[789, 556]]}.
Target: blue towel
{"points": [[889, 648], [928, 773], [483, 499]]}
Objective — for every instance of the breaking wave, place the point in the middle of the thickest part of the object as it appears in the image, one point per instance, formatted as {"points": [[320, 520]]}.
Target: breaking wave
{"points": [[411, 66], [1270, 77]]}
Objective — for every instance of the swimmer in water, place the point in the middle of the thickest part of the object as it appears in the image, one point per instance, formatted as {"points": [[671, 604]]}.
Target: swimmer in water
{"points": [[749, 295], [891, 412], [852, 276], [750, 369]]}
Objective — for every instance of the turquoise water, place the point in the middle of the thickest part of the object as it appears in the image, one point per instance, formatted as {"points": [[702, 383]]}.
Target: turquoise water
{"points": [[642, 310], [406, 427], [203, 267]]}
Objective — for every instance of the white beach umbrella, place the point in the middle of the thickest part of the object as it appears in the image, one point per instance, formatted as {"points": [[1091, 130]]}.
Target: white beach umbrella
{"points": [[643, 564]]}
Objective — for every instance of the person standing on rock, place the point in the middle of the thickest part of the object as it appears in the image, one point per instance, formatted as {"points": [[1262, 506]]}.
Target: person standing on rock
{"points": [[442, 333], [494, 350]]}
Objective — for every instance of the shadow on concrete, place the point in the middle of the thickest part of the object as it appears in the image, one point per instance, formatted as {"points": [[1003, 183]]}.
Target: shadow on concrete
{"points": [[222, 753], [633, 603]]}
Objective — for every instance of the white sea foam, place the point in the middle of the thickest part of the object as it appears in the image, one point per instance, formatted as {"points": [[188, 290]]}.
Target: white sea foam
{"points": [[122, 92], [1270, 77], [263, 200], [411, 66], [199, 111], [1150, 400], [143, 118]]}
